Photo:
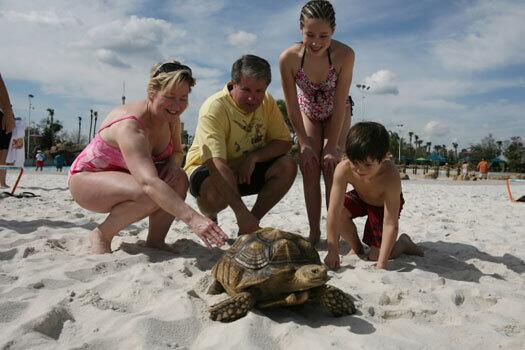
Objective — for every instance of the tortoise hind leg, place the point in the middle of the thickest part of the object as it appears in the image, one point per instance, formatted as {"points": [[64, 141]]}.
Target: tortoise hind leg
{"points": [[233, 308], [336, 301]]}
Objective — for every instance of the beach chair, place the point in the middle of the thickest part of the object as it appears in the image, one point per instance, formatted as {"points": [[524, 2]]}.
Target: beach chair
{"points": [[11, 167], [509, 191]]}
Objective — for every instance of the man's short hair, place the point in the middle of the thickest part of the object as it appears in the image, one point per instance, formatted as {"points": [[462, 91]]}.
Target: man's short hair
{"points": [[252, 66], [367, 140]]}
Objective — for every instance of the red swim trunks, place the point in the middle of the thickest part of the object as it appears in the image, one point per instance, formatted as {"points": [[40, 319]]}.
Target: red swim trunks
{"points": [[39, 163], [374, 223]]}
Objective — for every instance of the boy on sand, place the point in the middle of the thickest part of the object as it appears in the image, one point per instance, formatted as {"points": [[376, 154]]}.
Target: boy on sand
{"points": [[376, 194]]}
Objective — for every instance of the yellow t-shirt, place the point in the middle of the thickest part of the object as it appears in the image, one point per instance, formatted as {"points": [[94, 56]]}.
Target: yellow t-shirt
{"points": [[225, 131]]}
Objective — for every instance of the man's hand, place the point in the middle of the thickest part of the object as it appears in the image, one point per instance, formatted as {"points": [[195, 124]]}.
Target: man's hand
{"points": [[332, 260], [308, 158], [247, 224], [245, 170], [170, 174]]}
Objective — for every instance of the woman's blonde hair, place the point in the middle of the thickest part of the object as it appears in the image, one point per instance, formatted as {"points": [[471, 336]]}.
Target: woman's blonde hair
{"points": [[166, 76]]}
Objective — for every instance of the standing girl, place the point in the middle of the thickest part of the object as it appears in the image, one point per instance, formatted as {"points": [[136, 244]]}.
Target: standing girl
{"points": [[316, 75]]}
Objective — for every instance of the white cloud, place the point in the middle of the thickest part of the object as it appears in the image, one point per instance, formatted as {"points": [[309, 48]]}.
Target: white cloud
{"points": [[198, 8], [491, 36], [111, 58], [133, 35], [436, 129], [242, 39], [49, 18], [382, 83]]}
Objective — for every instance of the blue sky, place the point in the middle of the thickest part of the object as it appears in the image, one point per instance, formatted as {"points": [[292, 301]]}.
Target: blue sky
{"points": [[450, 71]]}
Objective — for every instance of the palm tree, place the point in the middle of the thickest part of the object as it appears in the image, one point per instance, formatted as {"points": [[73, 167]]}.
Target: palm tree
{"points": [[51, 113], [428, 145], [455, 145], [410, 134], [282, 107]]}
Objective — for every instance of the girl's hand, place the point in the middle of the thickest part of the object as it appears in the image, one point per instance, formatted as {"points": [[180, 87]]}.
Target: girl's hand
{"points": [[330, 160], [308, 158]]}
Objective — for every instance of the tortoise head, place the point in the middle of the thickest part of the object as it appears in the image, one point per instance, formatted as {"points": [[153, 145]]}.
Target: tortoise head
{"points": [[309, 276]]}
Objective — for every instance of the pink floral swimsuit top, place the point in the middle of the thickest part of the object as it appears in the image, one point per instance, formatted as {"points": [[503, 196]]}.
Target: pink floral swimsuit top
{"points": [[101, 156], [316, 100]]}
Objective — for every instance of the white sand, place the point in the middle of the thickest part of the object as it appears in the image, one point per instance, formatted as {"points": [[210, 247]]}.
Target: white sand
{"points": [[468, 292]]}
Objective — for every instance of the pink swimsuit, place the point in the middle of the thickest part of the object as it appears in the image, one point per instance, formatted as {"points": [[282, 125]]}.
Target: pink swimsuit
{"points": [[101, 156], [316, 100]]}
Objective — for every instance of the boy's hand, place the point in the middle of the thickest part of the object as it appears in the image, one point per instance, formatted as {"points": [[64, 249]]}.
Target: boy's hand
{"points": [[332, 260], [381, 265]]}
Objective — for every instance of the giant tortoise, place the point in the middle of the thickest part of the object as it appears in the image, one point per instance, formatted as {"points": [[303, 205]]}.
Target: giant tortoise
{"points": [[269, 268]]}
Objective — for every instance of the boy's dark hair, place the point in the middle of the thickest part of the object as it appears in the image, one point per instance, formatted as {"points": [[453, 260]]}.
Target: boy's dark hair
{"points": [[367, 140]]}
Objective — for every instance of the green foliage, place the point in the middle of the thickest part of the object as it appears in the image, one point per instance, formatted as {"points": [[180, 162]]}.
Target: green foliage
{"points": [[48, 130], [282, 107], [515, 153], [488, 149]]}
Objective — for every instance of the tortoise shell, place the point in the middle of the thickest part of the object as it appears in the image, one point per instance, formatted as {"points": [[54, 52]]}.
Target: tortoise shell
{"points": [[255, 257]]}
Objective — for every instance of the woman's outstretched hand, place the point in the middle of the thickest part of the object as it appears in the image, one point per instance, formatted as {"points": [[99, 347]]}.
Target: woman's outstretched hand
{"points": [[208, 231]]}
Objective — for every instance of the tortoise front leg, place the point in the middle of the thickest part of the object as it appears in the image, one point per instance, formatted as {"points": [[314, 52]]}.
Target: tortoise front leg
{"points": [[233, 308], [336, 301]]}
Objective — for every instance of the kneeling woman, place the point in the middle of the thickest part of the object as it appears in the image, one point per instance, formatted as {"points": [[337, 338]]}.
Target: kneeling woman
{"points": [[131, 168]]}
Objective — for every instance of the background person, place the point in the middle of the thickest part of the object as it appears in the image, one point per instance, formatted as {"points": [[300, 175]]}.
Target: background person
{"points": [[131, 168], [60, 161], [483, 168], [7, 124], [40, 158], [316, 75]]}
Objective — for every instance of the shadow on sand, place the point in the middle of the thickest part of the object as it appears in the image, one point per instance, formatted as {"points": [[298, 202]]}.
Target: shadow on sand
{"points": [[450, 260], [183, 248], [315, 316], [24, 227]]}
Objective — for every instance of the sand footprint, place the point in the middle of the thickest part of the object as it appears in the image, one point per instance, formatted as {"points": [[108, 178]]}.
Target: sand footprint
{"points": [[11, 310], [92, 297], [458, 297], [7, 279], [51, 323], [155, 333], [104, 268], [8, 254], [56, 243]]}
